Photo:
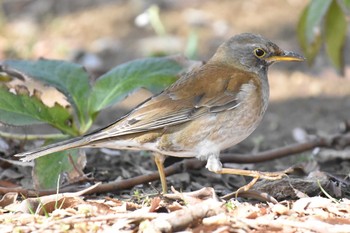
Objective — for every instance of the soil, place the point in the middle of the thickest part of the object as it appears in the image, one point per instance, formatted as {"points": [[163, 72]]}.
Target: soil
{"points": [[315, 99], [312, 98]]}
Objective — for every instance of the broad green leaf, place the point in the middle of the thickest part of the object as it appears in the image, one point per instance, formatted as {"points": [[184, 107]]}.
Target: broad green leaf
{"points": [[152, 73], [309, 49], [315, 15], [17, 119], [48, 168], [335, 33], [22, 109], [71, 79]]}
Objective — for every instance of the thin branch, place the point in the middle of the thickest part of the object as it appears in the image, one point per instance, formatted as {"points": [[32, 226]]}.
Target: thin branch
{"points": [[335, 141], [31, 136], [276, 153]]}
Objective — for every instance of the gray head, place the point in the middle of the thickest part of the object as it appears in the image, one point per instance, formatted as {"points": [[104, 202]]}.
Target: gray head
{"points": [[252, 52]]}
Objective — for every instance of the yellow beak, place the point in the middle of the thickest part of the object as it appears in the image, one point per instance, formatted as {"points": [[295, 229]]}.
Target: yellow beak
{"points": [[285, 56]]}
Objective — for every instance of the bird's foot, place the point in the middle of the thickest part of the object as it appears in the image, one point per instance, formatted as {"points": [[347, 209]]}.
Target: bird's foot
{"points": [[256, 176]]}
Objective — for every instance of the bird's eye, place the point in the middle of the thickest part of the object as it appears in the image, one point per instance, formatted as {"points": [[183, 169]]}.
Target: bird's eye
{"points": [[259, 53]]}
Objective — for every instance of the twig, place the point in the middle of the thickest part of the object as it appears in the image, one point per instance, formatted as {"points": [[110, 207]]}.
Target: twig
{"points": [[32, 136], [181, 219], [335, 141]]}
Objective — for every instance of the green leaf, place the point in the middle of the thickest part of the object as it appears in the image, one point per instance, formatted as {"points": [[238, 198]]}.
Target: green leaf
{"points": [[152, 73], [335, 33], [315, 15], [309, 49], [17, 119], [71, 79], [48, 168], [22, 109]]}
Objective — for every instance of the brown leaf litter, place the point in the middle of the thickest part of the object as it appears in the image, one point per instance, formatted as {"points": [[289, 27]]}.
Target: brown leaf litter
{"points": [[199, 211]]}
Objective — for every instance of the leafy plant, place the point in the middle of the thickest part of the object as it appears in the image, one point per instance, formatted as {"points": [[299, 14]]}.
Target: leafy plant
{"points": [[324, 22], [22, 101]]}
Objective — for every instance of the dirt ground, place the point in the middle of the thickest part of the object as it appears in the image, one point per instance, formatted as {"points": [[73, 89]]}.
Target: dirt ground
{"points": [[303, 99]]}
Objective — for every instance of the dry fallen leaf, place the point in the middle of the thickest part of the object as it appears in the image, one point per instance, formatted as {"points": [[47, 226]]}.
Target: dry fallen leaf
{"points": [[47, 94], [38, 205], [193, 197], [8, 198]]}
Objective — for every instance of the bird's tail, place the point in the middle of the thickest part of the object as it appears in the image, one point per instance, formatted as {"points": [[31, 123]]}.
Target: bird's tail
{"points": [[55, 147]]}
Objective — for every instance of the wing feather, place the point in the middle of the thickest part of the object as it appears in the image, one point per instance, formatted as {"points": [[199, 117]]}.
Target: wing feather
{"points": [[178, 104]]}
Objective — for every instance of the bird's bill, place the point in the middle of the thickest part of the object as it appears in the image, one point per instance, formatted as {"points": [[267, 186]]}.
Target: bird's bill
{"points": [[286, 56]]}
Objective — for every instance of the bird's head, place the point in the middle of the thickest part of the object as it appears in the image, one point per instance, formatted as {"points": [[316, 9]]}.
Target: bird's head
{"points": [[252, 53]]}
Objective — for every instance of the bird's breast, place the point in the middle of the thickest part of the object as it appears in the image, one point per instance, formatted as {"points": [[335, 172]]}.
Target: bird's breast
{"points": [[237, 124]]}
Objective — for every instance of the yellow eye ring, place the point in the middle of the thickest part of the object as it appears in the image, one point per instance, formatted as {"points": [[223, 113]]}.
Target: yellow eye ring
{"points": [[259, 52]]}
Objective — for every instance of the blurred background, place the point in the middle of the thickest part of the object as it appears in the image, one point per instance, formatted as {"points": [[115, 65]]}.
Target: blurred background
{"points": [[116, 31], [101, 34]]}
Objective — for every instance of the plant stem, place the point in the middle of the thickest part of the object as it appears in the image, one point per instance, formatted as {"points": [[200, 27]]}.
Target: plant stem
{"points": [[32, 136]]}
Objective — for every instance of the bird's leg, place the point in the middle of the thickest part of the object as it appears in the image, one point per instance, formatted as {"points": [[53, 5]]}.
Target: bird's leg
{"points": [[252, 173], [159, 160], [255, 174]]}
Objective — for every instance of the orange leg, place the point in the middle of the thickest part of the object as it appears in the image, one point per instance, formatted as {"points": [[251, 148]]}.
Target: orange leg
{"points": [[159, 160], [255, 174]]}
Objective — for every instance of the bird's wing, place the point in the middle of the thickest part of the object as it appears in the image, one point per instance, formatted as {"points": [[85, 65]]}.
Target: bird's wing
{"points": [[179, 104], [189, 98], [175, 112]]}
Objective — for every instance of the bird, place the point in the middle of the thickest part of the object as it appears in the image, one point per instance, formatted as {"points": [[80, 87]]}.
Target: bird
{"points": [[208, 109]]}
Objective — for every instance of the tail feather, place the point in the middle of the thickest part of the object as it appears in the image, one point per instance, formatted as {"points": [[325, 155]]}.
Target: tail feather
{"points": [[55, 147]]}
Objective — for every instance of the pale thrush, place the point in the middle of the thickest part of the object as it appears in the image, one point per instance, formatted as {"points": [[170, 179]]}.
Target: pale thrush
{"points": [[206, 110]]}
